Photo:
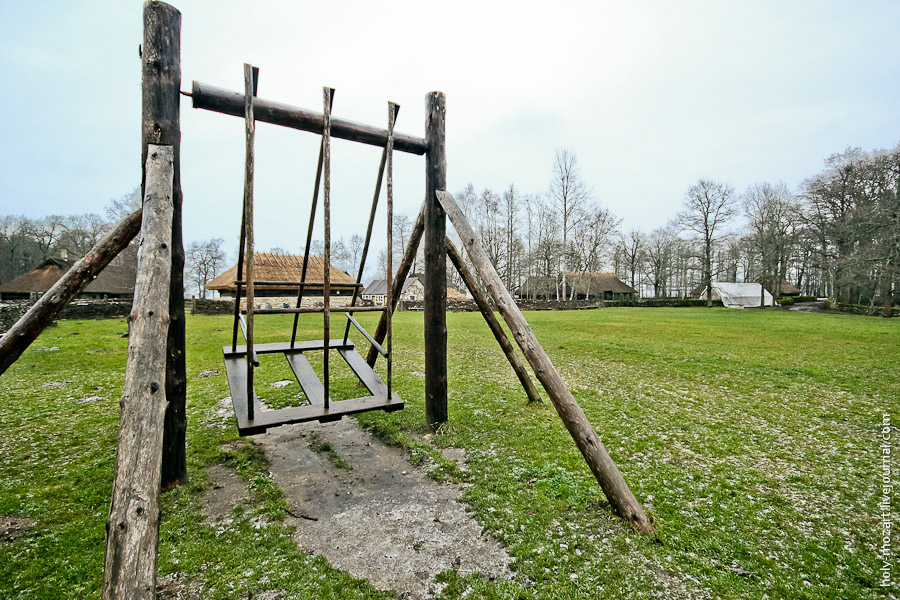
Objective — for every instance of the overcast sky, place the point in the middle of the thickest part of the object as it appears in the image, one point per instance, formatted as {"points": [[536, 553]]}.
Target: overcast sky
{"points": [[650, 96]]}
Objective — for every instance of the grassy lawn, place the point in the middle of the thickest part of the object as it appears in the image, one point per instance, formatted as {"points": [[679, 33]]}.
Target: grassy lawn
{"points": [[752, 438]]}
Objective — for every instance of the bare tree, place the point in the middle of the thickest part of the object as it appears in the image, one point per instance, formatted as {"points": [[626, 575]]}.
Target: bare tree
{"points": [[203, 262], [568, 192], [771, 211], [633, 252], [660, 247], [708, 206]]}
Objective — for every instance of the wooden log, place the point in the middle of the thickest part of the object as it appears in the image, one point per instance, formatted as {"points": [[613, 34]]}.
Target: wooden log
{"points": [[250, 135], [161, 82], [611, 481], [409, 257], [514, 361], [132, 529], [435, 305], [393, 109], [41, 314], [209, 97], [327, 96]]}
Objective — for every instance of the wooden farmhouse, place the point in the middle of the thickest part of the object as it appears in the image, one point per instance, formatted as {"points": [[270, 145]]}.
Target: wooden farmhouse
{"points": [[274, 271], [112, 282], [579, 286], [785, 287]]}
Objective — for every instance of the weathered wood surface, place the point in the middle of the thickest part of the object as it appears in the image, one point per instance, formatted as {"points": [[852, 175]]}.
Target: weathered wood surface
{"points": [[327, 96], [250, 133], [209, 97], [160, 108], [371, 225], [42, 313], [435, 304], [393, 109], [409, 257], [514, 361], [132, 529], [611, 481]]}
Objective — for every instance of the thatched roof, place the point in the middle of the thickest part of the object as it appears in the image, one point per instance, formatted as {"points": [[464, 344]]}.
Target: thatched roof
{"points": [[538, 286], [786, 289], [112, 280], [280, 267], [595, 284]]}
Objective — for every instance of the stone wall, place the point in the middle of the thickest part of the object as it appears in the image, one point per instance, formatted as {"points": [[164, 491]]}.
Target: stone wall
{"points": [[225, 306], [79, 309], [469, 305]]}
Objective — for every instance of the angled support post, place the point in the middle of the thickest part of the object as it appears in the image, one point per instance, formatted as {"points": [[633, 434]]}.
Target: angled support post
{"points": [[604, 469]]}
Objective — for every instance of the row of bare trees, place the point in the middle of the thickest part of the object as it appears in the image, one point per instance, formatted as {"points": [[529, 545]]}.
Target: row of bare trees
{"points": [[837, 235], [25, 243]]}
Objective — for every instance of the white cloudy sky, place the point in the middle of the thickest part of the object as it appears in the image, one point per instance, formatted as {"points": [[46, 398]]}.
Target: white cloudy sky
{"points": [[650, 96]]}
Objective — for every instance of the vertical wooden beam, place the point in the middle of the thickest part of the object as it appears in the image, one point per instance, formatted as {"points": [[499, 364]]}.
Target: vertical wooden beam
{"points": [[409, 257], [250, 134], [435, 262], [161, 84], [389, 303], [514, 361], [327, 95], [592, 449], [132, 529]]}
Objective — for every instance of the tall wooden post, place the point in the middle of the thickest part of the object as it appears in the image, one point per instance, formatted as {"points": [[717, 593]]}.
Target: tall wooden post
{"points": [[161, 76], [435, 262], [132, 528]]}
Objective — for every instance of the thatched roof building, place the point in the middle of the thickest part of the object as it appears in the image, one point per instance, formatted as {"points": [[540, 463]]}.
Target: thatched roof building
{"points": [[785, 288], [579, 286], [605, 286], [284, 268], [112, 282]]}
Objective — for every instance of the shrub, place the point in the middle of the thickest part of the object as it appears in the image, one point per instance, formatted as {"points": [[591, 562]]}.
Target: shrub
{"points": [[786, 301], [805, 298], [828, 304]]}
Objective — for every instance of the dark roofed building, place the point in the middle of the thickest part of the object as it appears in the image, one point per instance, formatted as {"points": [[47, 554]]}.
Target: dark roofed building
{"points": [[598, 286], [579, 286], [785, 288], [538, 288], [112, 282]]}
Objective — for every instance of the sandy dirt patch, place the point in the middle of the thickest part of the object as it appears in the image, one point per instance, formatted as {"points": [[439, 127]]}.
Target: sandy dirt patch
{"points": [[383, 519]]}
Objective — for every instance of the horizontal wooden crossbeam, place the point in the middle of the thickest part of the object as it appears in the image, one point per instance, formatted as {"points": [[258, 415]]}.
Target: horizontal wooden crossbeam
{"points": [[216, 99]]}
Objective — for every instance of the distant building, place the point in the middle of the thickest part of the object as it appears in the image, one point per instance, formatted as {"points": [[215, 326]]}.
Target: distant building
{"points": [[112, 282], [785, 287], [736, 295], [376, 292], [283, 268], [579, 286]]}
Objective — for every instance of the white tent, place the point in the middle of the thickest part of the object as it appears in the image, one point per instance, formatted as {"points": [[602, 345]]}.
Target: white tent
{"points": [[739, 295]]}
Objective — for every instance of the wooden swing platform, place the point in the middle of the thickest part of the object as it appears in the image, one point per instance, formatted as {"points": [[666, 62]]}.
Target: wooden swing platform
{"points": [[318, 409]]}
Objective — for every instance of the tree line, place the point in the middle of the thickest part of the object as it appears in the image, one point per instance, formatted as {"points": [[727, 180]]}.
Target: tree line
{"points": [[837, 235]]}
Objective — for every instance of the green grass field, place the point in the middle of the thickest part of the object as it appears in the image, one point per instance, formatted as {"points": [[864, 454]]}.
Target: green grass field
{"points": [[752, 438]]}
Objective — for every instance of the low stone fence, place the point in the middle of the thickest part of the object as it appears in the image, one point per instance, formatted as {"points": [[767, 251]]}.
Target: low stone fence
{"points": [[470, 306], [225, 306], [78, 309]]}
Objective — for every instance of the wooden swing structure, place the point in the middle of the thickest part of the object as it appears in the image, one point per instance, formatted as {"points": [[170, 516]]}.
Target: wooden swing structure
{"points": [[242, 360], [151, 445]]}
